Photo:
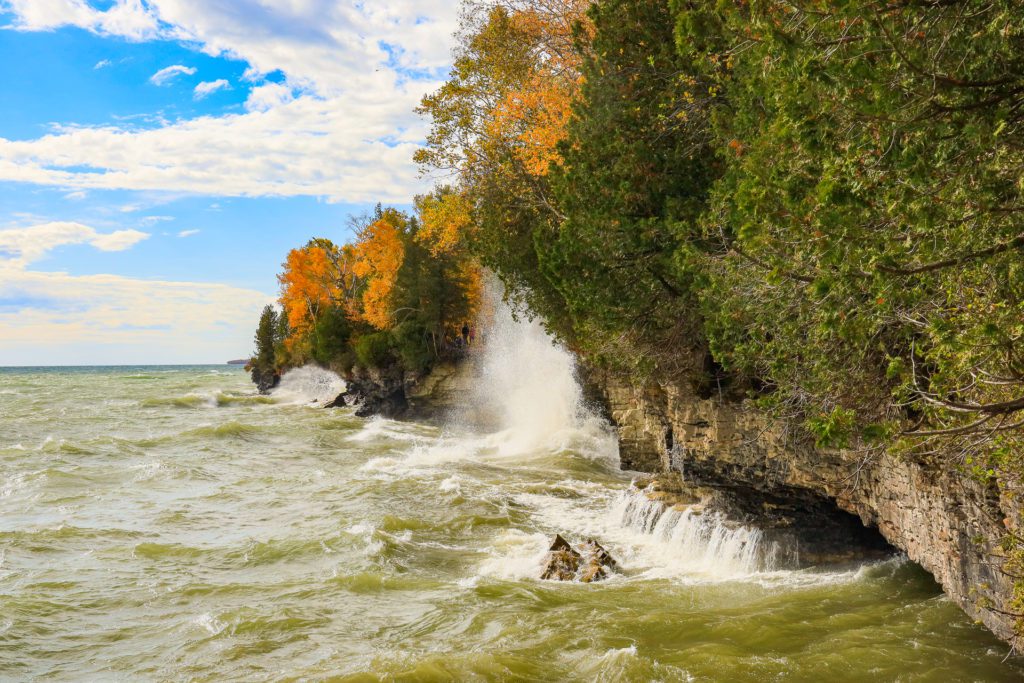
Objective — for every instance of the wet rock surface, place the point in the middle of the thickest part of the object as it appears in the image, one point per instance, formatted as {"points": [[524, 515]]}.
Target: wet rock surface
{"points": [[394, 394], [564, 563], [374, 393]]}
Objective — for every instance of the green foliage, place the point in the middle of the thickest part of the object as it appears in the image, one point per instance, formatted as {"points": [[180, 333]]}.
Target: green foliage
{"points": [[636, 175], [833, 429], [331, 337], [374, 349], [413, 345]]}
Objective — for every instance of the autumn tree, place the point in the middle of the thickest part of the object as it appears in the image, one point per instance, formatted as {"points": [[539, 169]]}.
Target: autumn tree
{"points": [[309, 284], [379, 252], [496, 126]]}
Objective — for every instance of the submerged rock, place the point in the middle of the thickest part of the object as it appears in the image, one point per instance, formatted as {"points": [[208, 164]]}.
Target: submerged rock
{"points": [[564, 563]]}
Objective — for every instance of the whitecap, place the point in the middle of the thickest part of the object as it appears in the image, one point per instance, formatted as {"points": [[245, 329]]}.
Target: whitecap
{"points": [[516, 555], [209, 623]]}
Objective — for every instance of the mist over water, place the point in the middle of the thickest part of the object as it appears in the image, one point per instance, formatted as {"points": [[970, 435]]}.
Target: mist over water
{"points": [[170, 524], [529, 382]]}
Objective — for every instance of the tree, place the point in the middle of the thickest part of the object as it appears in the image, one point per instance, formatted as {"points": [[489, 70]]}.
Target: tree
{"points": [[379, 253], [496, 126], [263, 363], [636, 173]]}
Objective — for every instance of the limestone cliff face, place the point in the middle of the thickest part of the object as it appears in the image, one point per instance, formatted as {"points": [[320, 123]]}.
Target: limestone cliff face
{"points": [[948, 523]]}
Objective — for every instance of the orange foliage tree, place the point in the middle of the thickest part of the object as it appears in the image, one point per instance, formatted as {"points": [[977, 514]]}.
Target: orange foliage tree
{"points": [[498, 126], [308, 285], [379, 253]]}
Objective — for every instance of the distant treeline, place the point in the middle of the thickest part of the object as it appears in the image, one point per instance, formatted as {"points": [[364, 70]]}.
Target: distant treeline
{"points": [[395, 296]]}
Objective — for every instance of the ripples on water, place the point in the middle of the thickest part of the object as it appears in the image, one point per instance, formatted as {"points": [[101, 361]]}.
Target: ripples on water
{"points": [[166, 523]]}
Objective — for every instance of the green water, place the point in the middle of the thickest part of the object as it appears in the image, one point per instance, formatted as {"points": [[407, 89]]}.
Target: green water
{"points": [[167, 524]]}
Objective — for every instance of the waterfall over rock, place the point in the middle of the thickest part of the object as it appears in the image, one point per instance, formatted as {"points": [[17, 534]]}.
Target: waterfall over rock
{"points": [[700, 541]]}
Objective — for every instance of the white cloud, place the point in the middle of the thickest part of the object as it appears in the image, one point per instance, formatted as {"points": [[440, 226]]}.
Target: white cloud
{"points": [[126, 18], [207, 88], [78, 194], [21, 246], [188, 233], [103, 64], [344, 149], [341, 126], [54, 317], [266, 97], [164, 76]]}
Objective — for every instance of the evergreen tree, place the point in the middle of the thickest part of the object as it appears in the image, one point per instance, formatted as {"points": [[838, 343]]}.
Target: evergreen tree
{"points": [[263, 364]]}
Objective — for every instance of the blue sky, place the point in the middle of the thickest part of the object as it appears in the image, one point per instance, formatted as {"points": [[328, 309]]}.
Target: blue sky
{"points": [[158, 158]]}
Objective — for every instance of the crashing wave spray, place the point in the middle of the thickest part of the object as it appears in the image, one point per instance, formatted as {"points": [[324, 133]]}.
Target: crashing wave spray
{"points": [[696, 542], [309, 384], [527, 383]]}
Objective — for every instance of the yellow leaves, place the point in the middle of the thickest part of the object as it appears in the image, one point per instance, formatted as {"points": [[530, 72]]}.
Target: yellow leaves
{"points": [[471, 278], [445, 221], [379, 254], [512, 90]]}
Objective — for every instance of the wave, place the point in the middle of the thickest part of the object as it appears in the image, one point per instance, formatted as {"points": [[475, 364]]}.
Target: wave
{"points": [[213, 400], [173, 551], [309, 384], [190, 401], [227, 430], [231, 399]]}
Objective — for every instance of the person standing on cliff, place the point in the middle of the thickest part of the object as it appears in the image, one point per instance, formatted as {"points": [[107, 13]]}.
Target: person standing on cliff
{"points": [[465, 334]]}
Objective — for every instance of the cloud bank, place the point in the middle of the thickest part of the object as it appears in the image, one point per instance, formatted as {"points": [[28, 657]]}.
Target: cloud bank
{"points": [[21, 246], [109, 318]]}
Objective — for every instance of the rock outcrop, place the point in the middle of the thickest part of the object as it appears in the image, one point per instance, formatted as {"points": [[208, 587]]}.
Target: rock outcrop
{"points": [[264, 380], [424, 396], [374, 392], [807, 532], [949, 523], [564, 563]]}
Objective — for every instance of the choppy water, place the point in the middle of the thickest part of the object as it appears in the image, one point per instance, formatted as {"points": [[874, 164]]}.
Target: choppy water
{"points": [[167, 524]]}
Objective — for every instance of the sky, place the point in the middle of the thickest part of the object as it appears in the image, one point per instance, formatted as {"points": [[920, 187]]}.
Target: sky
{"points": [[158, 158]]}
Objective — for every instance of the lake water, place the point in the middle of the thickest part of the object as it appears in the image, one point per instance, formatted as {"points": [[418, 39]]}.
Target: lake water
{"points": [[166, 523]]}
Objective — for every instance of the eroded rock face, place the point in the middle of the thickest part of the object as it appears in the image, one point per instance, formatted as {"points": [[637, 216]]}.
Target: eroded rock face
{"points": [[949, 523], [376, 392], [391, 393], [264, 381]]}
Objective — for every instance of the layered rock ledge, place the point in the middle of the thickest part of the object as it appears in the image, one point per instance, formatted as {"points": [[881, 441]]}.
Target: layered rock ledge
{"points": [[944, 520]]}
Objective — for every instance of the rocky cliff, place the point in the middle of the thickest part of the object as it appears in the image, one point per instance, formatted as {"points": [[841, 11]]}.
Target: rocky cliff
{"points": [[942, 519], [395, 393]]}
